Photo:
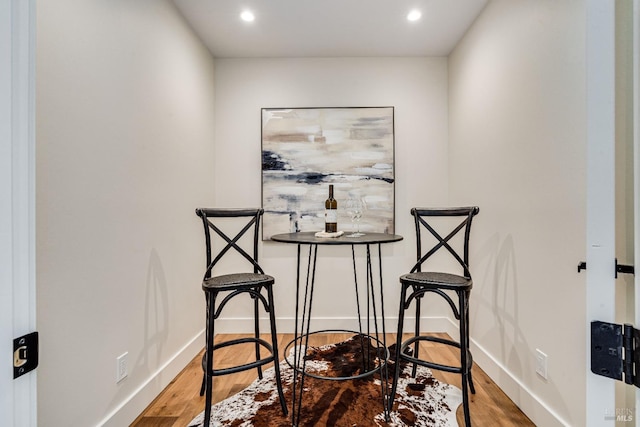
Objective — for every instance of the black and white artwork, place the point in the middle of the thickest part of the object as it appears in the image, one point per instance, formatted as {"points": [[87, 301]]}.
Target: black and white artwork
{"points": [[304, 150]]}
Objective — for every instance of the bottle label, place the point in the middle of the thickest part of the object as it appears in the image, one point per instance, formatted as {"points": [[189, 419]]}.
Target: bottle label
{"points": [[331, 215]]}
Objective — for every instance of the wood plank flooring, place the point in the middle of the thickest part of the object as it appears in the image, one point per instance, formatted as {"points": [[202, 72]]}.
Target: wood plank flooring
{"points": [[180, 402]]}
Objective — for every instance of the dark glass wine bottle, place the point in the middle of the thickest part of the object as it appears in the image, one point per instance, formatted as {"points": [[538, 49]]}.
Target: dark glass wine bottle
{"points": [[331, 213]]}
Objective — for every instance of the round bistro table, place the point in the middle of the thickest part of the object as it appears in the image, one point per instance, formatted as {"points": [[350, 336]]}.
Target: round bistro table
{"points": [[302, 323]]}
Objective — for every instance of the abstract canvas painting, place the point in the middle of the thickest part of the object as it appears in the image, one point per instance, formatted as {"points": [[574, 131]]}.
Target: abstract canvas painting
{"points": [[304, 150]]}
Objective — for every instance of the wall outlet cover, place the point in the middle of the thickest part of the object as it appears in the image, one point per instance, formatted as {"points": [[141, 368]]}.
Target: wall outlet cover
{"points": [[541, 364], [121, 367]]}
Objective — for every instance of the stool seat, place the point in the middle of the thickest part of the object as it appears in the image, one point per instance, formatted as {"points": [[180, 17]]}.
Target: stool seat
{"points": [[437, 280], [236, 280]]}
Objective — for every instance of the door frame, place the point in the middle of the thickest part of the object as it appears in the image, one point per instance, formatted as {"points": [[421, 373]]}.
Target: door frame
{"points": [[636, 172], [18, 398], [600, 283]]}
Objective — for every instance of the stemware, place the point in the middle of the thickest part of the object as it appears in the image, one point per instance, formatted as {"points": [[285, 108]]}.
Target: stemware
{"points": [[355, 208]]}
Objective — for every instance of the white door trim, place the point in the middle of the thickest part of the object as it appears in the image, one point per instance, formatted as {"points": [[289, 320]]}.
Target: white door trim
{"points": [[636, 172], [600, 295], [18, 405]]}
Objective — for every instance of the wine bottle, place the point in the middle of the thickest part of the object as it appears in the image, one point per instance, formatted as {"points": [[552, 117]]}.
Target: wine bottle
{"points": [[331, 213]]}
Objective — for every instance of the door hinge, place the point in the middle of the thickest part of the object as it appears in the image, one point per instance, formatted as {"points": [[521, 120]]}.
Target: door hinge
{"points": [[582, 265], [25, 354], [620, 268], [615, 351], [624, 269]]}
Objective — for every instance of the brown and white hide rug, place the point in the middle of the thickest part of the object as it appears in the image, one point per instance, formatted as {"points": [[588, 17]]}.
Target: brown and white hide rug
{"points": [[420, 401]]}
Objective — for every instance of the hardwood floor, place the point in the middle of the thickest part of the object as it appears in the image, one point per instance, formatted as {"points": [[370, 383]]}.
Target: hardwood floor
{"points": [[180, 402]]}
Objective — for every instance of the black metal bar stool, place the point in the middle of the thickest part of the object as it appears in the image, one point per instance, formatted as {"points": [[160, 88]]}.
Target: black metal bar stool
{"points": [[231, 285], [418, 283]]}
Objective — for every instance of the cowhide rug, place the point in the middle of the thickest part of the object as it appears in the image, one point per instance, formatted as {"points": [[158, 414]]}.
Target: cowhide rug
{"points": [[420, 401]]}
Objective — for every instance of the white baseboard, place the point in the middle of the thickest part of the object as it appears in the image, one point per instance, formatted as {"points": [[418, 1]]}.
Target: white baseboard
{"points": [[537, 410], [136, 402]]}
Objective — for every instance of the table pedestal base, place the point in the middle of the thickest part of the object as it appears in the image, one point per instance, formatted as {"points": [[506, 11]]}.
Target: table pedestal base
{"points": [[302, 329]]}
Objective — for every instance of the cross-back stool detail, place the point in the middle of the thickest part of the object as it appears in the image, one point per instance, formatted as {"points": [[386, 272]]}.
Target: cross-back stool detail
{"points": [[252, 282], [420, 281], [254, 214], [420, 213]]}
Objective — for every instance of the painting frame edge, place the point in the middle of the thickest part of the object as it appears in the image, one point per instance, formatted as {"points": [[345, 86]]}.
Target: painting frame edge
{"points": [[320, 201]]}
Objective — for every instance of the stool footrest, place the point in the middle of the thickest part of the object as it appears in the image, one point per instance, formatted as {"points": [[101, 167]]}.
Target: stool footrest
{"points": [[433, 365], [247, 366]]}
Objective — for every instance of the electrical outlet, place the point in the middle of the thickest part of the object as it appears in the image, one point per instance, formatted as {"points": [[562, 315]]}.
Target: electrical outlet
{"points": [[121, 367], [541, 364]]}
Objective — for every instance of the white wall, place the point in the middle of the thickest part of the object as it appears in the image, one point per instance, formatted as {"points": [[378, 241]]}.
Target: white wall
{"points": [[416, 87], [517, 149], [124, 155]]}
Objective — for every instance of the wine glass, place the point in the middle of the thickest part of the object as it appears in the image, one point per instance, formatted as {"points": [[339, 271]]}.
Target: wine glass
{"points": [[355, 207]]}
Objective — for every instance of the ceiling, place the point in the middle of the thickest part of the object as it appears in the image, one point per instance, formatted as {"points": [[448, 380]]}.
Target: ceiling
{"points": [[330, 28]]}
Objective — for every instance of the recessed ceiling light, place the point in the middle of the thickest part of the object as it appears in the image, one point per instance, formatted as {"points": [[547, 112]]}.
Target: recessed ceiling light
{"points": [[247, 16], [414, 15]]}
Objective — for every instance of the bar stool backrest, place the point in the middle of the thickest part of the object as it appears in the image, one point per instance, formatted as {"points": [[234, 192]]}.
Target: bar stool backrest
{"points": [[423, 219], [211, 217]]}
